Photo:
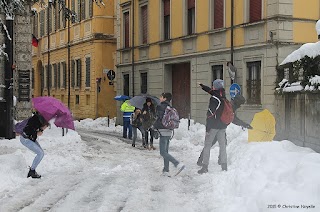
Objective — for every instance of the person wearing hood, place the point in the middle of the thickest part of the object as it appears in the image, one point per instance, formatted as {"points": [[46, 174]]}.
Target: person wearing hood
{"points": [[236, 103], [215, 128], [34, 128]]}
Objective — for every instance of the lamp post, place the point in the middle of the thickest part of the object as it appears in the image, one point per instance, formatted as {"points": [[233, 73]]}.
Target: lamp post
{"points": [[48, 34], [9, 78]]}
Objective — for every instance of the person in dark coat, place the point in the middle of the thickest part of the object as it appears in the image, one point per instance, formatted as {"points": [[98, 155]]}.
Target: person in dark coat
{"points": [[34, 128], [136, 122], [215, 128], [236, 103], [165, 136], [148, 118]]}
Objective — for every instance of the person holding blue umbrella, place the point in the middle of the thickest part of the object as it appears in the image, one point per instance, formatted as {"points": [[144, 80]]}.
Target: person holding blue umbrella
{"points": [[127, 110]]}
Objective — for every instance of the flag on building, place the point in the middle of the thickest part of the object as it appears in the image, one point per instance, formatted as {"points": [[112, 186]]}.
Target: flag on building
{"points": [[34, 41]]}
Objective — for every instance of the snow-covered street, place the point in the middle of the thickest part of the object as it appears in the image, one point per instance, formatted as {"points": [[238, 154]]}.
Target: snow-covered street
{"points": [[100, 171]]}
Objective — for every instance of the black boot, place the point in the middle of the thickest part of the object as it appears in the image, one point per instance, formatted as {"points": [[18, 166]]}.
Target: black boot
{"points": [[33, 174], [199, 162], [203, 170], [224, 167]]}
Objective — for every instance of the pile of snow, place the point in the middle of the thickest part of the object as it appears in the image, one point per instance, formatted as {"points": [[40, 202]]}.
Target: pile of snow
{"points": [[307, 49], [259, 174], [314, 84]]}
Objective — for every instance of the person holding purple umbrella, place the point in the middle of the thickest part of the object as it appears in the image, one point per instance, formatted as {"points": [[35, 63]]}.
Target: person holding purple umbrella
{"points": [[34, 128]]}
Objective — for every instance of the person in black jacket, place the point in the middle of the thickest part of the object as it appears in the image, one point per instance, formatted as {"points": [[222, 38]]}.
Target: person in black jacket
{"points": [[165, 136], [215, 128], [136, 122], [34, 128], [236, 103], [148, 118]]}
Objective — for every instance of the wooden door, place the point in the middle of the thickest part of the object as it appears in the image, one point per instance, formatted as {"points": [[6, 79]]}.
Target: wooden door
{"points": [[181, 88]]}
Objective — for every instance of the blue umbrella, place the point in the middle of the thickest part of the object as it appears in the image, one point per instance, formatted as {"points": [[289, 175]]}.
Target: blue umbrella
{"points": [[121, 97]]}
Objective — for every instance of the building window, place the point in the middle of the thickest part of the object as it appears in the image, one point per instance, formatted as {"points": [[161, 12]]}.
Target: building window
{"points": [[217, 72], [43, 76], [254, 82], [144, 24], [59, 75], [255, 10], [50, 76], [126, 85], [35, 25], [82, 9], [144, 82], [191, 17], [88, 63], [72, 73], [77, 99], [126, 29], [218, 14], [166, 19], [41, 23]]}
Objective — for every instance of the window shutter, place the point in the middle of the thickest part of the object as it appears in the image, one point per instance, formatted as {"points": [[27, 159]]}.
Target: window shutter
{"points": [[41, 24], [50, 77], [79, 68], [79, 12], [166, 7], [58, 17], [50, 19], [90, 9], [55, 76], [191, 4], [72, 73], [63, 19], [64, 67], [88, 63], [83, 9], [255, 10], [218, 14], [144, 14], [126, 29], [73, 9], [59, 76], [54, 18], [42, 78]]}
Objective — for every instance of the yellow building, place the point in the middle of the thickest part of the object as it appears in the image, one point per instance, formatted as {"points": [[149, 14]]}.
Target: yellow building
{"points": [[171, 45], [82, 47]]}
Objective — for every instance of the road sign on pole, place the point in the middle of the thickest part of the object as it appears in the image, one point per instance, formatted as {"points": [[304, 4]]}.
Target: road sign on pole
{"points": [[234, 90]]}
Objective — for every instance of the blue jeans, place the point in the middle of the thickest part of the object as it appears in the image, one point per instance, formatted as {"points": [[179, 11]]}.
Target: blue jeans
{"points": [[126, 126], [35, 147], [134, 130], [164, 149]]}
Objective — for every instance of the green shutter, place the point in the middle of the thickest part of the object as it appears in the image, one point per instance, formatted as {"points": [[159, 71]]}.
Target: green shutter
{"points": [[88, 63], [59, 74], [90, 9], [64, 74], [79, 70], [72, 73]]}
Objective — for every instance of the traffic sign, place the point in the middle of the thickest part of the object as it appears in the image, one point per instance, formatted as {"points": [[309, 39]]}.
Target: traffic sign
{"points": [[111, 75], [234, 90]]}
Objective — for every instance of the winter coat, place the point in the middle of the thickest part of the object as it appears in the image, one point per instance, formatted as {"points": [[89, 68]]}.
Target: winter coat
{"points": [[236, 103], [160, 112], [150, 116], [34, 125], [136, 120], [127, 109]]}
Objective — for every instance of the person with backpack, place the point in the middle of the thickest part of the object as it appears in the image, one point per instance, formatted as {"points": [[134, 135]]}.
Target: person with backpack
{"points": [[136, 122], [163, 116], [127, 110], [148, 118], [215, 127], [236, 103], [34, 128]]}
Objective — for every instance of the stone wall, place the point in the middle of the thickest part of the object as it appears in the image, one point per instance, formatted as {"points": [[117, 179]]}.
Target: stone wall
{"points": [[297, 116]]}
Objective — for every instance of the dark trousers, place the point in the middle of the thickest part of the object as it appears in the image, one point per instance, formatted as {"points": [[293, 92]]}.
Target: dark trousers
{"points": [[126, 126], [147, 136]]}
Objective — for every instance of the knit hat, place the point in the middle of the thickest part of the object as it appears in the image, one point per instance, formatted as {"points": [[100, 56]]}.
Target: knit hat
{"points": [[148, 100], [218, 84]]}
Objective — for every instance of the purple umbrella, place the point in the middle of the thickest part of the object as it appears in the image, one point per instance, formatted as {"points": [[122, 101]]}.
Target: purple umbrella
{"points": [[50, 108]]}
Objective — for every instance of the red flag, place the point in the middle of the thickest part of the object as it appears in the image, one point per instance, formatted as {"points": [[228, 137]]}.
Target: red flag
{"points": [[34, 41]]}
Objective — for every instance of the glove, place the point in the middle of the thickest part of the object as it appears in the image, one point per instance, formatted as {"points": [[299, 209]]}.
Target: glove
{"points": [[248, 126]]}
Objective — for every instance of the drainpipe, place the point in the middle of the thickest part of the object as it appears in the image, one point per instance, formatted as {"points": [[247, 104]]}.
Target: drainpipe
{"points": [[232, 30], [69, 74], [48, 34], [132, 49]]}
